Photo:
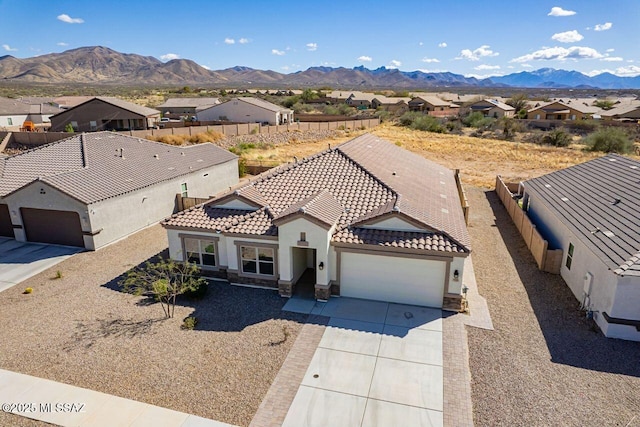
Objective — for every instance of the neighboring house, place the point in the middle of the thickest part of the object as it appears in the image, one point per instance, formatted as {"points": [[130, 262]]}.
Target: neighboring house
{"points": [[106, 113], [361, 99], [592, 212], [176, 108], [489, 108], [14, 112], [397, 105], [92, 189], [623, 113], [67, 101], [247, 110], [433, 106], [366, 219], [557, 110]]}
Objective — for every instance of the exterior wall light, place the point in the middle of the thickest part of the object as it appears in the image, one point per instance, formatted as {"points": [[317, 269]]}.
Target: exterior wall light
{"points": [[321, 265], [456, 275]]}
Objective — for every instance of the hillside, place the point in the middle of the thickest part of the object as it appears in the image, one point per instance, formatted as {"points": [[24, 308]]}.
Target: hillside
{"points": [[101, 65]]}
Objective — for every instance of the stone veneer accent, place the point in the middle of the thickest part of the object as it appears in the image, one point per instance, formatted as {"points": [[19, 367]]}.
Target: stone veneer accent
{"points": [[234, 277], [285, 289], [322, 292], [452, 302]]}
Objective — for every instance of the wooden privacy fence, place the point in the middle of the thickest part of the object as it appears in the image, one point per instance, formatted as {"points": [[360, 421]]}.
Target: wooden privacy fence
{"points": [[548, 260], [183, 203]]}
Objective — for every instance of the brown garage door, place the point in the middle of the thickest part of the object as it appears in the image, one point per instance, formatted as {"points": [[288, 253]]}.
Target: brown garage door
{"points": [[49, 226], [6, 228]]}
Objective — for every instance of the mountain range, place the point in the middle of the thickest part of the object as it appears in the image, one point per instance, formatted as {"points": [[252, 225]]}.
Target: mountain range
{"points": [[101, 65]]}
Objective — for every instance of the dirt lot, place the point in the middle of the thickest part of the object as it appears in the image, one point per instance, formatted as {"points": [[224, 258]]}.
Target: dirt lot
{"points": [[82, 330], [545, 364]]}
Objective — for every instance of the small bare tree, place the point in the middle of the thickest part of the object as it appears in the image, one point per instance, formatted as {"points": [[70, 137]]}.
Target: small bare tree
{"points": [[164, 280]]}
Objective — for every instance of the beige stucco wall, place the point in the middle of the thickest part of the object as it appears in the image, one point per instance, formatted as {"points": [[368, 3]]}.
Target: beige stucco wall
{"points": [[318, 239], [126, 214], [237, 111]]}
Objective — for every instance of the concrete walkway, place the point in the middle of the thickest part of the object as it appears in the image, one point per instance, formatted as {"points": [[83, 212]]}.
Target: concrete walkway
{"points": [[377, 364], [21, 260], [66, 405]]}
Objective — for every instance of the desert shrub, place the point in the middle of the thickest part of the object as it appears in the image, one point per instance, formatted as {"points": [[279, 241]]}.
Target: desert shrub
{"points": [[199, 291], [557, 137], [172, 139], [408, 118], [478, 120], [189, 323], [454, 126], [290, 101], [419, 121], [210, 136], [331, 110], [609, 140], [242, 167], [582, 127]]}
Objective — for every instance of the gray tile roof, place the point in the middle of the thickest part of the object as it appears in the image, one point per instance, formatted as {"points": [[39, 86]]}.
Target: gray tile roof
{"points": [[430, 99], [262, 104], [363, 178], [10, 107], [602, 196], [189, 102], [89, 168]]}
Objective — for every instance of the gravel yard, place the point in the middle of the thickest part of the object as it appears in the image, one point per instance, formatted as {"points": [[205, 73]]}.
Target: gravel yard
{"points": [[81, 330], [545, 364]]}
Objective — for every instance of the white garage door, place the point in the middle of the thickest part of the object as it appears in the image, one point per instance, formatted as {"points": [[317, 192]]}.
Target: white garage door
{"points": [[393, 279]]}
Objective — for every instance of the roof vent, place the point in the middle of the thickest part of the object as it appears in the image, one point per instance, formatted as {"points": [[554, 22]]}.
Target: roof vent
{"points": [[171, 168], [446, 211], [182, 153], [393, 173], [633, 167], [608, 233], [612, 160], [121, 152], [616, 201], [564, 199], [155, 156], [199, 160], [396, 208], [596, 230], [548, 185]]}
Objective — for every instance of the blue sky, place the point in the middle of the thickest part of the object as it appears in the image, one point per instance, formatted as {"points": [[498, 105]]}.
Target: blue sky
{"points": [[465, 37]]}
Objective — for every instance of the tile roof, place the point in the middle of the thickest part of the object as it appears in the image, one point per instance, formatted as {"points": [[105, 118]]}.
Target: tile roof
{"points": [[321, 206], [494, 102], [578, 106], [9, 107], [362, 178], [120, 103], [599, 201], [431, 99], [189, 102], [262, 104], [89, 167]]}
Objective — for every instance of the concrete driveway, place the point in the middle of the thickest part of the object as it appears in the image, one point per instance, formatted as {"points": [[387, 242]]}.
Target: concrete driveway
{"points": [[377, 364], [21, 260]]}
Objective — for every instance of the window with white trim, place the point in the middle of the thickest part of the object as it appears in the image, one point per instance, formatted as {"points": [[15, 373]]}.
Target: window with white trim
{"points": [[200, 251], [183, 189], [257, 260], [9, 121]]}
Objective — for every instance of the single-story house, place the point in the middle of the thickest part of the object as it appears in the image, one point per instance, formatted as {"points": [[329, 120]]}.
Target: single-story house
{"points": [[361, 99], [629, 113], [489, 108], [433, 105], [557, 110], [106, 113], [176, 108], [396, 105], [592, 212], [92, 189], [365, 219], [14, 112], [247, 110]]}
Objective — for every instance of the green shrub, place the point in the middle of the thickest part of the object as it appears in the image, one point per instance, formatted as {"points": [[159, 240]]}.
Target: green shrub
{"points": [[199, 291], [557, 137], [609, 140], [419, 121], [242, 167], [478, 120], [69, 128], [189, 323], [582, 127]]}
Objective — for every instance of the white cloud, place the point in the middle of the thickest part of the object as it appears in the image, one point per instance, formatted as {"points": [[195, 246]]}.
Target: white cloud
{"points": [[169, 56], [568, 37], [285, 68], [395, 63], [486, 67], [243, 40], [277, 52], [560, 53], [205, 67], [430, 60], [365, 58], [483, 76], [420, 44], [610, 50], [229, 41], [69, 20], [9, 48], [424, 70], [443, 44], [476, 54], [558, 11], [62, 44], [612, 59], [526, 65], [511, 67], [603, 27], [312, 46], [629, 71]]}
